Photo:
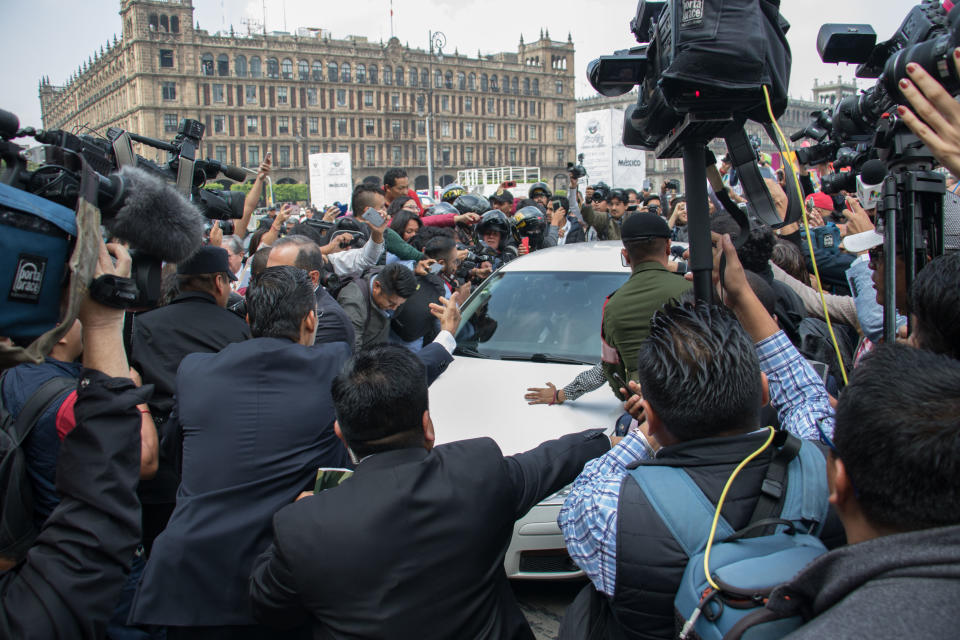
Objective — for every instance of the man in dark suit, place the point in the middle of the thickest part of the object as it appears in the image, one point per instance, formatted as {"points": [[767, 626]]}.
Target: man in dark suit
{"points": [[333, 325], [256, 422], [412, 545], [195, 322]]}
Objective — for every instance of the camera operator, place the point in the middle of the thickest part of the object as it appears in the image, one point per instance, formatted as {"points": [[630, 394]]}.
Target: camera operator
{"points": [[71, 580], [607, 212], [494, 238], [678, 220], [569, 230]]}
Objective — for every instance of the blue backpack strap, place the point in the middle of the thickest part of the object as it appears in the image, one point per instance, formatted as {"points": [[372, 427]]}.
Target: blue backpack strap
{"points": [[806, 501], [681, 505]]}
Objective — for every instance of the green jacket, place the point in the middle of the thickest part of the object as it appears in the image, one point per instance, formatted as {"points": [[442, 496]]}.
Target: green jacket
{"points": [[608, 227], [627, 315], [395, 245]]}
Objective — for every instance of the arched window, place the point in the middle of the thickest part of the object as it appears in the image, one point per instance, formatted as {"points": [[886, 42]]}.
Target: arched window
{"points": [[513, 85], [387, 74], [413, 76], [223, 65], [303, 69], [438, 79], [317, 71], [361, 73], [255, 69], [174, 24], [240, 66], [287, 68], [461, 81], [399, 76], [494, 83], [333, 72], [472, 82], [425, 78], [206, 64], [273, 68], [484, 85], [536, 87], [373, 73], [526, 86], [345, 72], [164, 24], [153, 22]]}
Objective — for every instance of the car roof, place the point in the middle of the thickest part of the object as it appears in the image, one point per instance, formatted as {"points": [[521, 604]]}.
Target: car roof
{"points": [[599, 257]]}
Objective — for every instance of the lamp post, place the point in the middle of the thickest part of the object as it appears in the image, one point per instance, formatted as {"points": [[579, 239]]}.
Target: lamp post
{"points": [[437, 40]]}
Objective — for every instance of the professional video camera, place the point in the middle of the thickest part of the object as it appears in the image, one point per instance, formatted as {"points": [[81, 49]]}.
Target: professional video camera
{"points": [[577, 171], [864, 128], [704, 68], [49, 200]]}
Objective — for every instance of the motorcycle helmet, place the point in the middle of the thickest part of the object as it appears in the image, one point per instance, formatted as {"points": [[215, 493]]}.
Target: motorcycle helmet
{"points": [[472, 203], [539, 189], [497, 220], [451, 192], [441, 208], [529, 221]]}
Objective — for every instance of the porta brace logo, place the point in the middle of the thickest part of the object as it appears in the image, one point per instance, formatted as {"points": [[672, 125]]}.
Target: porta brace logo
{"points": [[28, 279], [692, 13]]}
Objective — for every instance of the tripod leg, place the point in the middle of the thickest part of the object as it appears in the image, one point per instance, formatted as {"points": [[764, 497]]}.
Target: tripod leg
{"points": [[698, 215]]}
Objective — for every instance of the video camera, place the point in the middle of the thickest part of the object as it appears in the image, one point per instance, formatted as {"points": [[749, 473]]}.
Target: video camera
{"points": [[577, 171]]}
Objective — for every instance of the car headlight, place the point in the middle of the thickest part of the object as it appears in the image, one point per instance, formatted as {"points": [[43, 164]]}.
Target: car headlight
{"points": [[558, 497]]}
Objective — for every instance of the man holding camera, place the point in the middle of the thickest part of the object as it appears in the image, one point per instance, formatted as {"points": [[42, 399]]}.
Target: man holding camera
{"points": [[606, 212]]}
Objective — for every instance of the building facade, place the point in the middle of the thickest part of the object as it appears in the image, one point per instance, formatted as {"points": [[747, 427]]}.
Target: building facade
{"points": [[293, 95], [797, 116]]}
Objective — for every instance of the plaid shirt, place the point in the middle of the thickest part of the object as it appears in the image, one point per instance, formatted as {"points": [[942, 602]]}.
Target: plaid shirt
{"points": [[588, 518]]}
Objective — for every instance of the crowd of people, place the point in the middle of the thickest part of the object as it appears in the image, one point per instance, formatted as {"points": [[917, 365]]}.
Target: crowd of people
{"points": [[173, 470]]}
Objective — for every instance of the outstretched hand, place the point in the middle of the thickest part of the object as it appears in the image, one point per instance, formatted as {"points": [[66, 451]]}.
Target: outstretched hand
{"points": [[543, 395], [939, 128], [447, 312]]}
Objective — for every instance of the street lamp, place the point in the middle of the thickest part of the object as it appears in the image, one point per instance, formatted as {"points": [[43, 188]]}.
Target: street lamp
{"points": [[437, 40]]}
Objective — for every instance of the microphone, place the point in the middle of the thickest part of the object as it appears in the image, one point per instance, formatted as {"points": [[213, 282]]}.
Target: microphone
{"points": [[155, 218], [869, 183]]}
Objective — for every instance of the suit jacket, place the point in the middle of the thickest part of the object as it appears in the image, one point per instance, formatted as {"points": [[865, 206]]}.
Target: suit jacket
{"points": [[257, 421], [423, 557], [370, 325], [333, 324]]}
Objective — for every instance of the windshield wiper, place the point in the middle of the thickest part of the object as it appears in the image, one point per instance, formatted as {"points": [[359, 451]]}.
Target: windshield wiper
{"points": [[544, 357], [472, 353]]}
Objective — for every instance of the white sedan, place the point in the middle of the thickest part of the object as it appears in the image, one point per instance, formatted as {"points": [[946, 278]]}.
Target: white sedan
{"points": [[537, 319]]}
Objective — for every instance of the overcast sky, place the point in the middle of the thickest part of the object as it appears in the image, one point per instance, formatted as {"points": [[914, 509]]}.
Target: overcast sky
{"points": [[52, 37]]}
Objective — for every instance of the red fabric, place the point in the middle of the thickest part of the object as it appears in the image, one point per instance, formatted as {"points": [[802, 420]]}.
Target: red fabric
{"points": [[821, 200], [442, 220], [65, 418]]}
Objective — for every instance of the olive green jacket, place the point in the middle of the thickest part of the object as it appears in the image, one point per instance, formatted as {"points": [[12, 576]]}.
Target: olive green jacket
{"points": [[627, 315], [608, 227]]}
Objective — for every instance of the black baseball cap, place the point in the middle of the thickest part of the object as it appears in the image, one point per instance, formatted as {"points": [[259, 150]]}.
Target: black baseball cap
{"points": [[644, 225], [207, 259]]}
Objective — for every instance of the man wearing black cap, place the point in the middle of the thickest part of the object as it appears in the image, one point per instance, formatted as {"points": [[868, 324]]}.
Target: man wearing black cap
{"points": [[626, 316], [195, 322]]}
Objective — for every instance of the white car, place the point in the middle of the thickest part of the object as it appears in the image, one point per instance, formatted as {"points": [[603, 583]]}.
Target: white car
{"points": [[537, 319]]}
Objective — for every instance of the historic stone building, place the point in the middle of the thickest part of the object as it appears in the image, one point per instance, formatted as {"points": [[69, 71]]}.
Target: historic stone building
{"points": [[293, 95]]}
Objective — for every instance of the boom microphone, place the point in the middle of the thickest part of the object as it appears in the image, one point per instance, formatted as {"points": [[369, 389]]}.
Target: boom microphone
{"points": [[155, 218]]}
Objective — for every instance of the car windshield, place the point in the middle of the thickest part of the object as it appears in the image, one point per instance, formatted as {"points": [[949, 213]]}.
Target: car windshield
{"points": [[537, 315]]}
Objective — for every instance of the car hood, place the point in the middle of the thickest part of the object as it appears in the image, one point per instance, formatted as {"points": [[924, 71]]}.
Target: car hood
{"points": [[476, 398]]}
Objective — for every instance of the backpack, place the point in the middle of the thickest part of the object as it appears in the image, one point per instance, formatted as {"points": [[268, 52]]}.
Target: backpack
{"points": [[777, 543], [17, 527]]}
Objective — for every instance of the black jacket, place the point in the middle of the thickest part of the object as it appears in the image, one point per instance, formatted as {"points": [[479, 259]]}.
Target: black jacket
{"points": [[71, 580], [423, 555], [650, 562], [898, 586], [333, 323]]}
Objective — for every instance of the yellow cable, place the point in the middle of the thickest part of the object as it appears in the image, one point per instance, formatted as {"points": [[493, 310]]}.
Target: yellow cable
{"points": [[806, 227], [723, 496]]}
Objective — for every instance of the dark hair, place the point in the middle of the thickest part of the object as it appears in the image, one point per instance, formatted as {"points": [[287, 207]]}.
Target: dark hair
{"points": [[652, 196], [787, 256], [203, 282], [392, 175], [526, 202], [309, 231], [396, 206], [700, 372], [503, 198], [562, 201], [426, 234], [255, 240], [756, 251], [259, 262], [935, 303], [397, 280], [722, 222], [439, 247], [675, 202], [364, 195], [763, 291], [380, 397], [309, 257], [278, 301], [402, 218], [898, 435], [630, 190], [645, 249]]}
